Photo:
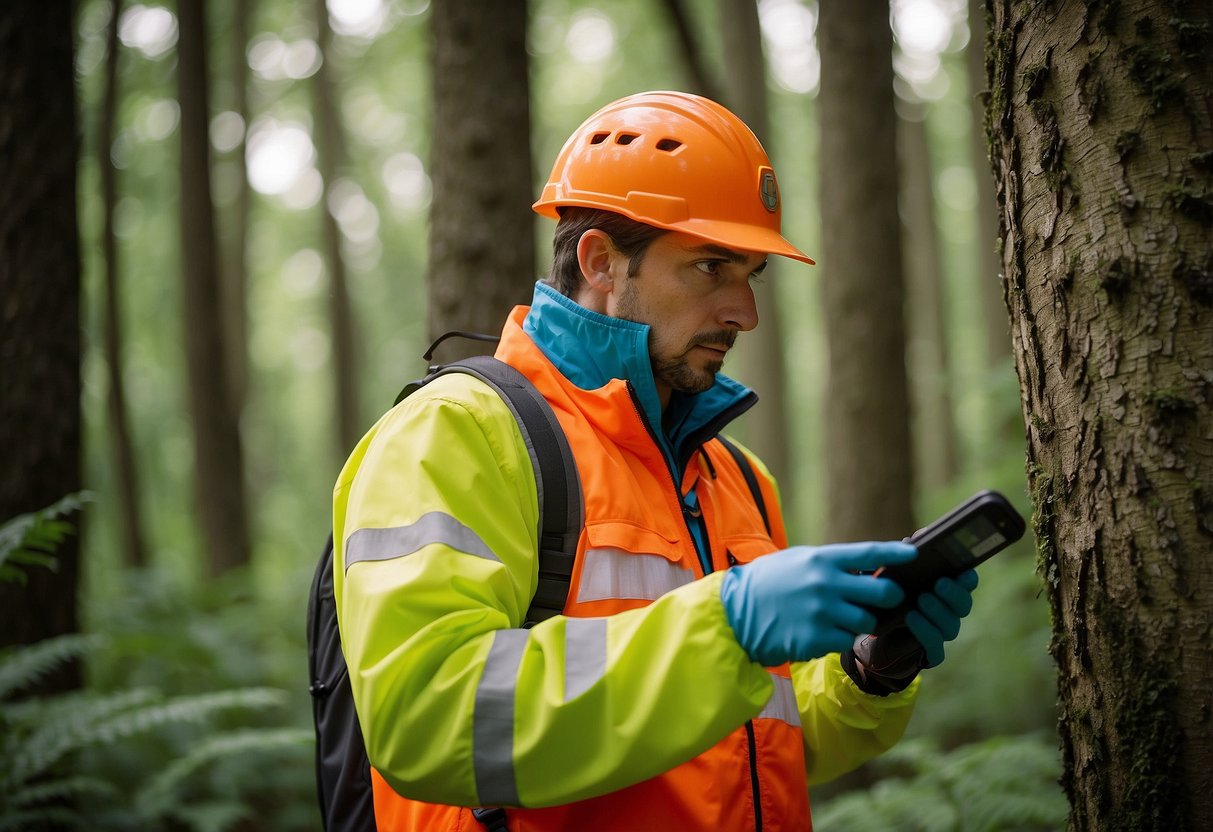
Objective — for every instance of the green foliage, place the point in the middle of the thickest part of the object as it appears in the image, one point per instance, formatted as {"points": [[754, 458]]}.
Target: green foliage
{"points": [[22, 668], [97, 758], [185, 636], [29, 539], [42, 736], [1004, 783]]}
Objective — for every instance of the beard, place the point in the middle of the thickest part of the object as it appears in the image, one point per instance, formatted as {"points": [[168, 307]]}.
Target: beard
{"points": [[676, 370], [681, 376]]}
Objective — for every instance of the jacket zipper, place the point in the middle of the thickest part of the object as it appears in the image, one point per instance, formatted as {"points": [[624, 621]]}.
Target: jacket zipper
{"points": [[752, 741], [705, 559]]}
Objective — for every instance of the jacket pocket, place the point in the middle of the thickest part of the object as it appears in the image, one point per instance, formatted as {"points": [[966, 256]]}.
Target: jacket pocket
{"points": [[623, 562]]}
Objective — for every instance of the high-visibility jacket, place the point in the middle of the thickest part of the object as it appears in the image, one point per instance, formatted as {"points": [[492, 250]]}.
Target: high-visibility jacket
{"points": [[636, 709]]}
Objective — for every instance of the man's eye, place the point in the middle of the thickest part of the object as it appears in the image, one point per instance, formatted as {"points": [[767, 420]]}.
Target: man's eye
{"points": [[708, 266]]}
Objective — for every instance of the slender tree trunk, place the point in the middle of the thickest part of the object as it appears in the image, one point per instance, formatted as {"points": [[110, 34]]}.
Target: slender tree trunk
{"points": [[218, 458], [692, 56], [934, 423], [121, 446], [868, 449], [330, 155], [235, 272], [1111, 299], [39, 306], [760, 359], [481, 254], [993, 305]]}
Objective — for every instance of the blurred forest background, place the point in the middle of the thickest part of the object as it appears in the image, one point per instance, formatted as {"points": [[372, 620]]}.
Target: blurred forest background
{"points": [[195, 710]]}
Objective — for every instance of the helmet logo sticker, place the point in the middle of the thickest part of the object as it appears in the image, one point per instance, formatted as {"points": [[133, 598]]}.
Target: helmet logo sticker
{"points": [[768, 191]]}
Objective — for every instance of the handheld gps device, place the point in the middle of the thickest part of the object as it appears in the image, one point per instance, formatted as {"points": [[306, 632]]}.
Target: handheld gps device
{"points": [[973, 532]]}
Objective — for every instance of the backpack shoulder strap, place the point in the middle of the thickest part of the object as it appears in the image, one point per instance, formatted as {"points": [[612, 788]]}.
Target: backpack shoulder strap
{"points": [[751, 478], [556, 481]]}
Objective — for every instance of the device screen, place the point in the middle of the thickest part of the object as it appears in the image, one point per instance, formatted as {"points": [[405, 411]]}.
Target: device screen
{"points": [[970, 541]]}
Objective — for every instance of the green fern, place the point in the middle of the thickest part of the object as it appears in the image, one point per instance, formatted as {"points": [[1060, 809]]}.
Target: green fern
{"points": [[1006, 783], [158, 796], [22, 668], [51, 735], [54, 817], [30, 539]]}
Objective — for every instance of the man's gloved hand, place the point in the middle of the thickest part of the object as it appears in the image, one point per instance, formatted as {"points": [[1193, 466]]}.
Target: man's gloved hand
{"points": [[804, 602], [888, 663]]}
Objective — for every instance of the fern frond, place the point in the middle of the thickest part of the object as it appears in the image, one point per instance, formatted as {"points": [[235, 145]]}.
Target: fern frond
{"points": [[1002, 783], [213, 816], [29, 539], [109, 719], [67, 787], [22, 667], [154, 798], [54, 817]]}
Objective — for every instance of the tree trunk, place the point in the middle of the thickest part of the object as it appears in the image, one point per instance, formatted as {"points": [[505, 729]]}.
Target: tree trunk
{"points": [[698, 77], [1111, 298], [934, 423], [760, 359], [330, 155], [219, 466], [39, 306], [868, 450], [993, 305], [481, 250], [235, 272], [121, 446]]}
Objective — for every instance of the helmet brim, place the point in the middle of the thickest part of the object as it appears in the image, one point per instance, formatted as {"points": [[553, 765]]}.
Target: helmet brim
{"points": [[734, 235]]}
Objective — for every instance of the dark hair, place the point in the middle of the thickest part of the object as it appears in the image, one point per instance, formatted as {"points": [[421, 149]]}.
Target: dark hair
{"points": [[629, 237]]}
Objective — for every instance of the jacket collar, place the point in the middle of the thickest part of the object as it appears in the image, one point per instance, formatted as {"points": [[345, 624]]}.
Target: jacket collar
{"points": [[591, 350]]}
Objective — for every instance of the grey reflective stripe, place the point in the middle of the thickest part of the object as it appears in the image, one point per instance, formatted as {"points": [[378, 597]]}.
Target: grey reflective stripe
{"points": [[782, 704], [614, 573], [584, 654], [493, 720], [398, 541]]}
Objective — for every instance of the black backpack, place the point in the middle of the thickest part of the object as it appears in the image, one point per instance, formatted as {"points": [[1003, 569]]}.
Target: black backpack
{"points": [[343, 772]]}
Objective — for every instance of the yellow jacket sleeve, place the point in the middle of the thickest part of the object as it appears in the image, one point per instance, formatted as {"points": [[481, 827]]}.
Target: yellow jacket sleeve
{"points": [[843, 726], [435, 519]]}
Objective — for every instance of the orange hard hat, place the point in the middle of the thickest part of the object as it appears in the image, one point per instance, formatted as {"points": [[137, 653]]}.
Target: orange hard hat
{"points": [[676, 161]]}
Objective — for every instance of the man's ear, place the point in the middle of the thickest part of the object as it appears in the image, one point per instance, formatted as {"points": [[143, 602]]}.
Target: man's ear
{"points": [[595, 255]]}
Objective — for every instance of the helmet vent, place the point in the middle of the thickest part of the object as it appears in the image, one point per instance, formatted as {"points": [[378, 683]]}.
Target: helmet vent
{"points": [[598, 138], [626, 138], [669, 145]]}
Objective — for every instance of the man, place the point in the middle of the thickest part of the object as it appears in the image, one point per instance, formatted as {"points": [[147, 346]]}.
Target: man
{"points": [[703, 671]]}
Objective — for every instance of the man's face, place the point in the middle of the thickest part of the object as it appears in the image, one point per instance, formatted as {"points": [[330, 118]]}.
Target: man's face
{"points": [[695, 296]]}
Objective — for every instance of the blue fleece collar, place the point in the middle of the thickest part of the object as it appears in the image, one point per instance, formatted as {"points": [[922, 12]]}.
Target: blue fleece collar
{"points": [[590, 350]]}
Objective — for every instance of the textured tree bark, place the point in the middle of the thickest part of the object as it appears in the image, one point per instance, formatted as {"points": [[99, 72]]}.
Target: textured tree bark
{"points": [[330, 153], [481, 250], [868, 451], [122, 448], [1101, 130], [218, 457], [39, 306], [760, 359]]}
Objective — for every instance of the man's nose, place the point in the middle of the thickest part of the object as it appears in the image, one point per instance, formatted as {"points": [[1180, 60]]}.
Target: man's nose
{"points": [[741, 310]]}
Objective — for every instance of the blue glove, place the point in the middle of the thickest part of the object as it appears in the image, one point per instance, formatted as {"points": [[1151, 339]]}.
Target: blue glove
{"points": [[938, 616], [804, 602]]}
